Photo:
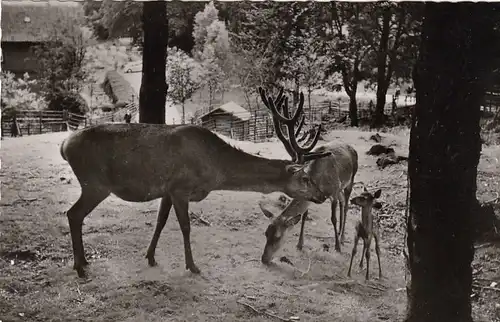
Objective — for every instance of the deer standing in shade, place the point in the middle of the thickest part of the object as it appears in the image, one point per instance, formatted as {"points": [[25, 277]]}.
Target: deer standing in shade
{"points": [[179, 164]]}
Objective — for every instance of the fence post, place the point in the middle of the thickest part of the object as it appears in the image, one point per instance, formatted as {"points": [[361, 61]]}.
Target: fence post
{"points": [[40, 120], [255, 127], [267, 127]]}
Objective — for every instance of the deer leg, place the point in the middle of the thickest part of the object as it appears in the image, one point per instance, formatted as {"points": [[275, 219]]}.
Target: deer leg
{"points": [[342, 216], [181, 210], [377, 250], [346, 195], [334, 223], [363, 255], [300, 243], [89, 199], [367, 255], [163, 212], [354, 250]]}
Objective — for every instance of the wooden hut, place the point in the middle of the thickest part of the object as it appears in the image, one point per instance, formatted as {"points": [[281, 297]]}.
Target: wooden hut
{"points": [[229, 119]]}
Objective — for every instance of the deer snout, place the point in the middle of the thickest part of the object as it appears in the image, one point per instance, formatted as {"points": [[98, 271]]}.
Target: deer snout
{"points": [[266, 260], [268, 254], [319, 200]]}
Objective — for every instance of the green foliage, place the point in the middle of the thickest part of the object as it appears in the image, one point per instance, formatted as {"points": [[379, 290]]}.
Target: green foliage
{"points": [[392, 32], [119, 19], [18, 95], [67, 100], [203, 20], [62, 59], [113, 19], [212, 49], [184, 76]]}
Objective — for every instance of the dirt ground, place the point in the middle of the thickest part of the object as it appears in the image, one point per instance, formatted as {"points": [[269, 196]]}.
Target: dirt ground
{"points": [[37, 282]]}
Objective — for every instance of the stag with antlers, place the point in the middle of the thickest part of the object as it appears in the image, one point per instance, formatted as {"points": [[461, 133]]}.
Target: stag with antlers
{"points": [[179, 164], [333, 175]]}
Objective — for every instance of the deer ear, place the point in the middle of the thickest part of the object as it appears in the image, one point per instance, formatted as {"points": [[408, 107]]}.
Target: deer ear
{"points": [[266, 212], [293, 220], [377, 193]]}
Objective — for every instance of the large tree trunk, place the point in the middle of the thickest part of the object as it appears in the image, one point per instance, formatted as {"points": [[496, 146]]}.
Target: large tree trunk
{"points": [[353, 111], [153, 86], [382, 70], [444, 153]]}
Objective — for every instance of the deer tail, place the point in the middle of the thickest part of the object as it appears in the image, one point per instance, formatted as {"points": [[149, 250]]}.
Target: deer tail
{"points": [[61, 149]]}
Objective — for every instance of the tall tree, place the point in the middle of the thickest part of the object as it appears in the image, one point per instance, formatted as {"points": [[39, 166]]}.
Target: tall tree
{"points": [[184, 77], [391, 30], [152, 95], [348, 49], [455, 59]]}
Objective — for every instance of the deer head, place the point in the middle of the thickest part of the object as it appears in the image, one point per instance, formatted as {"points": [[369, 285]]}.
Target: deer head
{"points": [[301, 181], [280, 225], [367, 199]]}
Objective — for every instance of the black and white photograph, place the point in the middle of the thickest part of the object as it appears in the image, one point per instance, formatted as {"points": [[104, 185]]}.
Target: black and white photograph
{"points": [[249, 161]]}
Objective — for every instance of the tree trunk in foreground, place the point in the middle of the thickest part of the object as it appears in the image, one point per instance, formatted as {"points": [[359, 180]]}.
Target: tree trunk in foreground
{"points": [[153, 86], [444, 153]]}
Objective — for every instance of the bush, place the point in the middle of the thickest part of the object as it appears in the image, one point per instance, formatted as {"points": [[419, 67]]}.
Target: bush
{"points": [[70, 101], [118, 89], [17, 94]]}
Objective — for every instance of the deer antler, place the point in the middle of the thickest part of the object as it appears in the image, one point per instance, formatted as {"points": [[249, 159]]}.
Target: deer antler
{"points": [[299, 154], [277, 124]]}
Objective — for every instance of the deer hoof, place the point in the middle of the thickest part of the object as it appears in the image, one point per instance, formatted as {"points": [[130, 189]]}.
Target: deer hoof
{"points": [[193, 269], [337, 248], [81, 272], [299, 246], [151, 261]]}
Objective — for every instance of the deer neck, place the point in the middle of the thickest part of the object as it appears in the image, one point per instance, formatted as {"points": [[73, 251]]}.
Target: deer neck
{"points": [[367, 217], [295, 207], [253, 173]]}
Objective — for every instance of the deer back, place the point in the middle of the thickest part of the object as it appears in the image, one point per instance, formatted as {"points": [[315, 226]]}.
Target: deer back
{"points": [[336, 171]]}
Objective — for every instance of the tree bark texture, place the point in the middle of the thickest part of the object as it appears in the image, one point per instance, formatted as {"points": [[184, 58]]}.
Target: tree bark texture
{"points": [[353, 110], [153, 90], [382, 70], [445, 148], [351, 88]]}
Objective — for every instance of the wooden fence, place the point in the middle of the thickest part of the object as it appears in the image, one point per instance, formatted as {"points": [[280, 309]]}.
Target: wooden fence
{"points": [[259, 126], [38, 122]]}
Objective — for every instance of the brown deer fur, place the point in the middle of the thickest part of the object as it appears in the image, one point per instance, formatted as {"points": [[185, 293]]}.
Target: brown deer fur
{"points": [[143, 162], [334, 176]]}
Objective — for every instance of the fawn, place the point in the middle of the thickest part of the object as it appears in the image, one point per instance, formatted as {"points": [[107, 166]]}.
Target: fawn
{"points": [[366, 229]]}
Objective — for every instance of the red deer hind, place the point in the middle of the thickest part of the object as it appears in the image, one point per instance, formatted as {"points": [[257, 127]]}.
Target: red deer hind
{"points": [[179, 164], [333, 175]]}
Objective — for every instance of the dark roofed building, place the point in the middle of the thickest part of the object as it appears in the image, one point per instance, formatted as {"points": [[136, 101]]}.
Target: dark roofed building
{"points": [[26, 24], [229, 119]]}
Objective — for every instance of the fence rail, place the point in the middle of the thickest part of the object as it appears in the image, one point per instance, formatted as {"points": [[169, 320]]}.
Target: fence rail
{"points": [[254, 126], [259, 126], [31, 122]]}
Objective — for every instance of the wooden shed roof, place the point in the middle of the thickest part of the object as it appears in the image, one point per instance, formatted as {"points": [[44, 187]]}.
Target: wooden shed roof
{"points": [[30, 21], [231, 108]]}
